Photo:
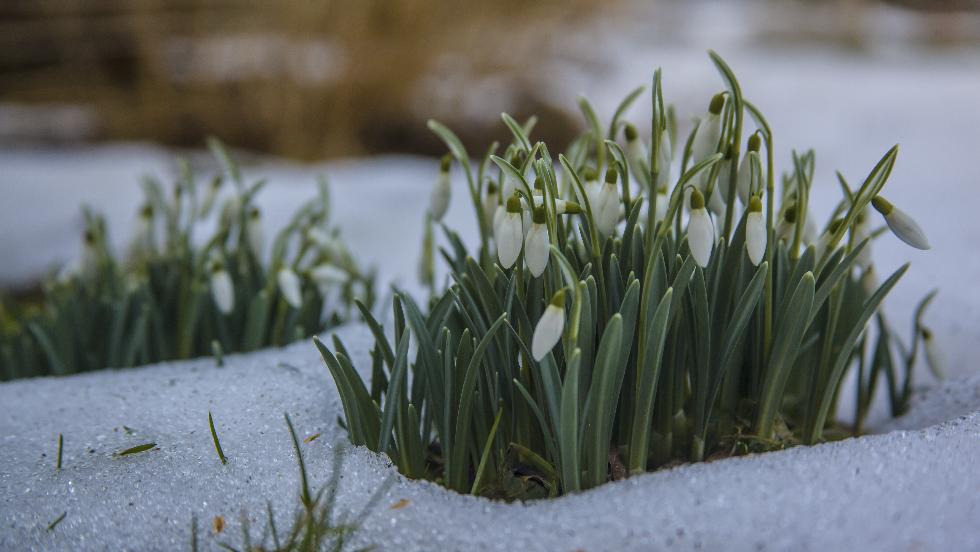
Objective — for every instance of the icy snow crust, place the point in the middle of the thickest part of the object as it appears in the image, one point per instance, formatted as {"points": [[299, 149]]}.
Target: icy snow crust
{"points": [[909, 489]]}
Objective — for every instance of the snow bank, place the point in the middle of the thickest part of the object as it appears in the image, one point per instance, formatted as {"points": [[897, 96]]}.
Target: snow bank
{"points": [[904, 490]]}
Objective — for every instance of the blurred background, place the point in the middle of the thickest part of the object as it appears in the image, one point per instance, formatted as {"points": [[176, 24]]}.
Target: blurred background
{"points": [[315, 79], [95, 94]]}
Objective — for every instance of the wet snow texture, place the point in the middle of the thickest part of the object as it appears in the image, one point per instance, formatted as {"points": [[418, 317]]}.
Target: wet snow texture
{"points": [[914, 488], [910, 489]]}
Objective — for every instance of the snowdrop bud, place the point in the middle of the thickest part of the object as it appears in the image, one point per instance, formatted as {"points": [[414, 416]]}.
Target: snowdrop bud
{"points": [[662, 201], [787, 225], [536, 244], [328, 274], [824, 242], [748, 169], [700, 230], [862, 231], [550, 326], [664, 157], [635, 149], [289, 286], [933, 357], [222, 290], [869, 280], [509, 234], [606, 208], [561, 206], [439, 200], [509, 183], [490, 203], [143, 238], [253, 232], [755, 231], [901, 224], [709, 131], [210, 196]]}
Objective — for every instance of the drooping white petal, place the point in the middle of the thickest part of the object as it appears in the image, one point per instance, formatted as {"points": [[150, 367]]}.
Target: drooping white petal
{"points": [[509, 237], [222, 291], [748, 174], [606, 209], [439, 200], [289, 286], [700, 236], [706, 138], [498, 215], [326, 273], [933, 355], [755, 236], [662, 204], [253, 232], [906, 229], [490, 203], [716, 202], [536, 252], [548, 331]]}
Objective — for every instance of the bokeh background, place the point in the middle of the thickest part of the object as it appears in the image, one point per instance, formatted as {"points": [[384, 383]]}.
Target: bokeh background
{"points": [[315, 79], [95, 94]]}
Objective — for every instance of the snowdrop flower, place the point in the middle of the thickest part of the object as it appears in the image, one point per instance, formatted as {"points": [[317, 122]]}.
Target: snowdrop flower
{"points": [[509, 233], [749, 170], [933, 358], [664, 157], [707, 135], [509, 184], [143, 241], [222, 289], [591, 185], [862, 231], [536, 252], [606, 208], [209, 197], [755, 231], [787, 225], [327, 244], [439, 201], [490, 203], [253, 232], [636, 151], [561, 206], [662, 201], [869, 280], [550, 326], [823, 244], [700, 230], [289, 286], [327, 274], [902, 225]]}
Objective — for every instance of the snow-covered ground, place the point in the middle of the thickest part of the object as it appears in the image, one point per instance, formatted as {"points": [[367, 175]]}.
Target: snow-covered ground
{"points": [[915, 487]]}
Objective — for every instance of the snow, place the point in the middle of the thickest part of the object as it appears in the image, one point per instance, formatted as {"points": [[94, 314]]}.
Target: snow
{"points": [[915, 486], [907, 489]]}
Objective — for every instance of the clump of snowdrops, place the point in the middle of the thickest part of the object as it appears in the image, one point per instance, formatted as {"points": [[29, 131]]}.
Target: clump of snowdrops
{"points": [[195, 280], [640, 302]]}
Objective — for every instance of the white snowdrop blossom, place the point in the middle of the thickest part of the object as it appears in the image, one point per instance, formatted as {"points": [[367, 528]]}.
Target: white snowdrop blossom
{"points": [[786, 226], [700, 230], [327, 276], [755, 231], [869, 280], [222, 289], [491, 201], [289, 286], [591, 184], [536, 252], [254, 234], [933, 356], [636, 151], [749, 171], [209, 197], [707, 136], [327, 244], [562, 206], [606, 208], [509, 233], [901, 224], [550, 327], [442, 192]]}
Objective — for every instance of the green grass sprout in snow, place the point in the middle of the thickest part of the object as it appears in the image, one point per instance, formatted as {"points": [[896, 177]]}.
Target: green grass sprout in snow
{"points": [[635, 302], [179, 292]]}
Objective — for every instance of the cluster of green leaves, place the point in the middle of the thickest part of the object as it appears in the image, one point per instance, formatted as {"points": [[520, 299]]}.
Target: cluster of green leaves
{"points": [[317, 525], [661, 360], [156, 303]]}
